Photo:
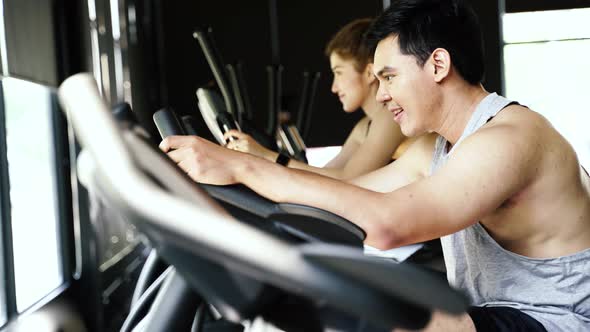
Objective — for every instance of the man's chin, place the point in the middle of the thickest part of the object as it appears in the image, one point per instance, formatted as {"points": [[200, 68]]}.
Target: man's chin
{"points": [[409, 132], [406, 131]]}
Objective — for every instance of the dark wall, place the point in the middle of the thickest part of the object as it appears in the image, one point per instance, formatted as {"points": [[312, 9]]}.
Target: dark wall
{"points": [[148, 89], [174, 67], [242, 32], [44, 40], [305, 28], [489, 18], [30, 40]]}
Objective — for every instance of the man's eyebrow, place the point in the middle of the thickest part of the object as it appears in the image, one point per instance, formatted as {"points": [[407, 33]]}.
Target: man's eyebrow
{"points": [[384, 70], [336, 67]]}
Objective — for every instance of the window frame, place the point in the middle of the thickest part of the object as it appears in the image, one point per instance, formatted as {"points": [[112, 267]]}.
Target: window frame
{"points": [[8, 292], [63, 210], [517, 6], [62, 168]]}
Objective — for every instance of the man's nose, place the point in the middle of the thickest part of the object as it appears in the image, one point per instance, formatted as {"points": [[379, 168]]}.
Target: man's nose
{"points": [[382, 94]]}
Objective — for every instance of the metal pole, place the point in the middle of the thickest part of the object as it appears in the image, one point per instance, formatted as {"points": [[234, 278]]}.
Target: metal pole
{"points": [[386, 4]]}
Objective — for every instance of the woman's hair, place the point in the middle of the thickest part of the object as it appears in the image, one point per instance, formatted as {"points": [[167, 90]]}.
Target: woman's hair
{"points": [[349, 43]]}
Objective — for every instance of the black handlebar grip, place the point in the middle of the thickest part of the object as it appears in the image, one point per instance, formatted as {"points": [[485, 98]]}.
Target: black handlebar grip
{"points": [[167, 123], [226, 122], [122, 112], [189, 123]]}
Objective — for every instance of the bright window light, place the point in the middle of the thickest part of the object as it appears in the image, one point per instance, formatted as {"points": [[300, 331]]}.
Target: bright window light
{"points": [[546, 25], [33, 192], [115, 25], [3, 52], [320, 156], [552, 77]]}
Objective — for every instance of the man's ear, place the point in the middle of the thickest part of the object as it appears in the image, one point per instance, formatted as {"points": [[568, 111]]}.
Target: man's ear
{"points": [[369, 72], [440, 62]]}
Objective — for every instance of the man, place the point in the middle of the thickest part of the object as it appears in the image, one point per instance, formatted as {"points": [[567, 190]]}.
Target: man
{"points": [[500, 186]]}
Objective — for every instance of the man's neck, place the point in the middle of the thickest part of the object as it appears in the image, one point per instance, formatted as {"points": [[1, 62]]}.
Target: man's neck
{"points": [[457, 109]]}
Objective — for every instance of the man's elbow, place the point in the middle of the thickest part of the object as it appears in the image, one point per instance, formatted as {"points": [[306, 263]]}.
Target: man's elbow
{"points": [[383, 237]]}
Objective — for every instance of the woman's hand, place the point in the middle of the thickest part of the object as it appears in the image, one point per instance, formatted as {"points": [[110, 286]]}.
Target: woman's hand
{"points": [[245, 143]]}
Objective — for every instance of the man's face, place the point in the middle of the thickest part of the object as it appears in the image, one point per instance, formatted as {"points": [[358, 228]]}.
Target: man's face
{"points": [[351, 86], [405, 88]]}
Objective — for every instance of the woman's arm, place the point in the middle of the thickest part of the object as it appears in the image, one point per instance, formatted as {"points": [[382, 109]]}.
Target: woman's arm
{"points": [[351, 145], [384, 135], [376, 149]]}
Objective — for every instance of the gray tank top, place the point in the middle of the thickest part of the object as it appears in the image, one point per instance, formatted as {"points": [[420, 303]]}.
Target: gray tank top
{"points": [[555, 291]]}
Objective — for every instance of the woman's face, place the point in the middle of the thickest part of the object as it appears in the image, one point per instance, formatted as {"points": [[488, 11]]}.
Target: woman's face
{"points": [[351, 87]]}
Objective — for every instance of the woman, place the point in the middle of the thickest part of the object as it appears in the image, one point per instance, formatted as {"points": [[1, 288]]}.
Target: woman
{"points": [[375, 139]]}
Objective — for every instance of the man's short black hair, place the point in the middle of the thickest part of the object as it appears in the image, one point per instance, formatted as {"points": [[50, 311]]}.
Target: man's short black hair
{"points": [[422, 26]]}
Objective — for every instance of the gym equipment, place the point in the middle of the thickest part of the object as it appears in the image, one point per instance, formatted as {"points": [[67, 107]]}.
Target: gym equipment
{"points": [[235, 267], [302, 223]]}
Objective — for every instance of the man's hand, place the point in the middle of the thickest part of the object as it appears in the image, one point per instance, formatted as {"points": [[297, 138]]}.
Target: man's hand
{"points": [[202, 160], [245, 143]]}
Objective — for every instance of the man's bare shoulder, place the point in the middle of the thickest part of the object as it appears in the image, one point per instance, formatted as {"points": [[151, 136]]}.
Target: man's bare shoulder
{"points": [[519, 125], [539, 133], [522, 137], [523, 119]]}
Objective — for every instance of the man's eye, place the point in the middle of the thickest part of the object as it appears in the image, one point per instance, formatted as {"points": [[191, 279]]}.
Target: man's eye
{"points": [[388, 78]]}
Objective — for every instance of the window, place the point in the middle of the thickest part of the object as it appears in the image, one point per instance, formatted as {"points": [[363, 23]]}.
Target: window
{"points": [[545, 68], [3, 67], [2, 291], [33, 191], [3, 57], [320, 156]]}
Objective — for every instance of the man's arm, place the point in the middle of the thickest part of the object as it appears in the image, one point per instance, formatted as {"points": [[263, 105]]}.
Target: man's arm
{"points": [[350, 146], [485, 170], [206, 162]]}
